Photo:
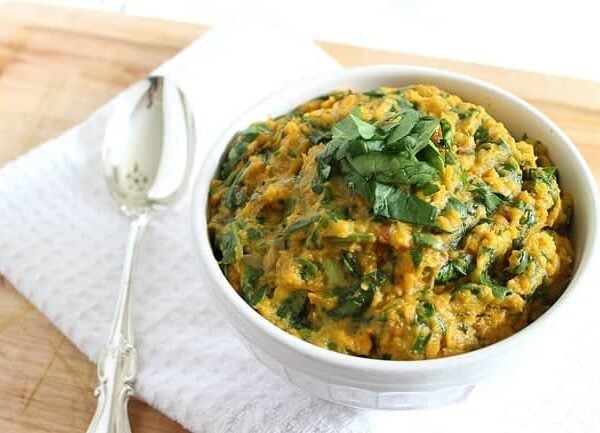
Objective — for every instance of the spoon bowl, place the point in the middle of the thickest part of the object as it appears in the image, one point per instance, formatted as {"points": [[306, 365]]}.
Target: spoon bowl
{"points": [[148, 147]]}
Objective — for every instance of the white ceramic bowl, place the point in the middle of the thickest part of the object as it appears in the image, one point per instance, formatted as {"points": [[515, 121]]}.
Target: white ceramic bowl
{"points": [[382, 384]]}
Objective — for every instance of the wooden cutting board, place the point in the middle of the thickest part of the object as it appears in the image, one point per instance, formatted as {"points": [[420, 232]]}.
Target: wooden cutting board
{"points": [[56, 67]]}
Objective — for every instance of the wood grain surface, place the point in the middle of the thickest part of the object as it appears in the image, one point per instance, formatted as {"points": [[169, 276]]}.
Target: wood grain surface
{"points": [[56, 67]]}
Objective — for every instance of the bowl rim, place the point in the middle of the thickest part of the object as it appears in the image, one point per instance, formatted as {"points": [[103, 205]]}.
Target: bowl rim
{"points": [[345, 361]]}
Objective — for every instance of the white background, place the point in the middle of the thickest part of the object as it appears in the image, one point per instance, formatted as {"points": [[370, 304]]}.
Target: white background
{"points": [[559, 37]]}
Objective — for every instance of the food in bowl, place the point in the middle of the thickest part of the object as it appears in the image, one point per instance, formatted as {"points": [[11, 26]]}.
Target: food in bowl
{"points": [[400, 223]]}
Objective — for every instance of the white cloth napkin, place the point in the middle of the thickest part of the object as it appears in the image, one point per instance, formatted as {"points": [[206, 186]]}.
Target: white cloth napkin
{"points": [[62, 241]]}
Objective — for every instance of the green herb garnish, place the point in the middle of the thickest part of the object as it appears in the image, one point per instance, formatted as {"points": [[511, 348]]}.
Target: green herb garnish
{"points": [[406, 124], [390, 202], [394, 170], [432, 156], [352, 127]]}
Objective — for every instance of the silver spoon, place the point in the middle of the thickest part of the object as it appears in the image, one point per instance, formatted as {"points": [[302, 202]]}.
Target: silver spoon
{"points": [[148, 154]]}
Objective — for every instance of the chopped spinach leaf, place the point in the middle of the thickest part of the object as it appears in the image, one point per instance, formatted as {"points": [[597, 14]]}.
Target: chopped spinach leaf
{"points": [[232, 199], [528, 217], [418, 138], [238, 145], [462, 115], [354, 300], [251, 291], [393, 169], [510, 169], [474, 288], [455, 268], [375, 92], [416, 256], [317, 136], [229, 244], [511, 165], [390, 202], [464, 209], [425, 311], [545, 174], [427, 240], [313, 238], [374, 280], [482, 135], [498, 290], [403, 104], [365, 129], [490, 200], [404, 126], [308, 270], [333, 273], [294, 308], [359, 237], [352, 127], [431, 155], [351, 264], [421, 341], [253, 234], [369, 170], [450, 158], [362, 147], [430, 188], [345, 129], [298, 225], [342, 213], [359, 184], [522, 263], [423, 131], [327, 193], [446, 133]]}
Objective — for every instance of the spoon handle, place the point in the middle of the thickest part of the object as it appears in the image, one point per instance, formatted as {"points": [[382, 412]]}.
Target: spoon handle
{"points": [[117, 361]]}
